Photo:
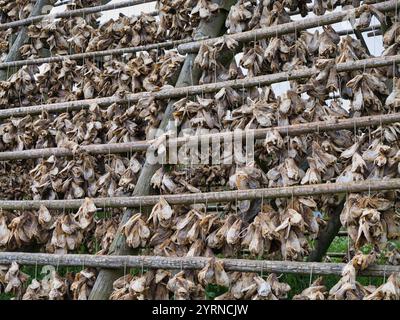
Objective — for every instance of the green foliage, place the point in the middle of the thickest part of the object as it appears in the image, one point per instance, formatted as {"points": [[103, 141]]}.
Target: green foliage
{"points": [[5, 296], [213, 291]]}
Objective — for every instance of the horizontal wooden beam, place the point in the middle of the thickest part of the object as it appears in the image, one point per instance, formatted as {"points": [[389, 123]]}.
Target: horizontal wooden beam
{"points": [[291, 130], [186, 263], [199, 89], [286, 28], [73, 13], [121, 51], [209, 197], [351, 31], [103, 53]]}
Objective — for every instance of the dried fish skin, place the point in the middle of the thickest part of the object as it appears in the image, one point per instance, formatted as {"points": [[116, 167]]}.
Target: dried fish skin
{"points": [[136, 231], [365, 219], [239, 16], [317, 291], [388, 291], [162, 214], [84, 217], [14, 280], [83, 283]]}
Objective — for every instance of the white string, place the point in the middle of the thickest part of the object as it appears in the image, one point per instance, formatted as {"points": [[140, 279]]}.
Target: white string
{"points": [[36, 269], [348, 236], [384, 274], [125, 282]]}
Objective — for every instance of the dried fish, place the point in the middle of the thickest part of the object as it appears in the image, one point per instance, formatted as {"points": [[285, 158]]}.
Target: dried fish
{"points": [[83, 283], [317, 291], [348, 288], [388, 291], [15, 279], [136, 231]]}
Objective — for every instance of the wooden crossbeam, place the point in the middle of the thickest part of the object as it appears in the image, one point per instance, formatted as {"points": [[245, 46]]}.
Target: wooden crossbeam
{"points": [[187, 263]]}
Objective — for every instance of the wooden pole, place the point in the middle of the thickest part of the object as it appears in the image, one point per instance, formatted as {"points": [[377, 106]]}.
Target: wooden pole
{"points": [[291, 130], [188, 76], [14, 62], [22, 37], [285, 28], [209, 197], [351, 31], [199, 89], [121, 51], [86, 55], [187, 263], [327, 235], [85, 11], [73, 13]]}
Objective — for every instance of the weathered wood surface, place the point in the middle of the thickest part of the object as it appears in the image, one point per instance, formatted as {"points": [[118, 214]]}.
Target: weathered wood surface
{"points": [[291, 130], [285, 28], [327, 235], [345, 32], [186, 263], [199, 89], [86, 55], [188, 76], [160, 45], [22, 37], [209, 197], [73, 13]]}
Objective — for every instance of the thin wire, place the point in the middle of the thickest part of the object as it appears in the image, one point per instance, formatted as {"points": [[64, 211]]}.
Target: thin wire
{"points": [[369, 188], [58, 264], [348, 236], [311, 275], [215, 66], [36, 269], [355, 128], [384, 274], [237, 204], [125, 282], [262, 202]]}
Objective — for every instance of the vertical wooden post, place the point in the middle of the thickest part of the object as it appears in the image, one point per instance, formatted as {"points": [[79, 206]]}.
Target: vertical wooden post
{"points": [[188, 76], [22, 37], [327, 235]]}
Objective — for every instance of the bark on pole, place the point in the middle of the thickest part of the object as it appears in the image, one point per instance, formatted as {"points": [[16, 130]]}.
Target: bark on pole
{"points": [[138, 48], [159, 45], [22, 37], [188, 76], [143, 200], [303, 24], [73, 13], [327, 235], [199, 89], [187, 263], [291, 130], [345, 32], [102, 53]]}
